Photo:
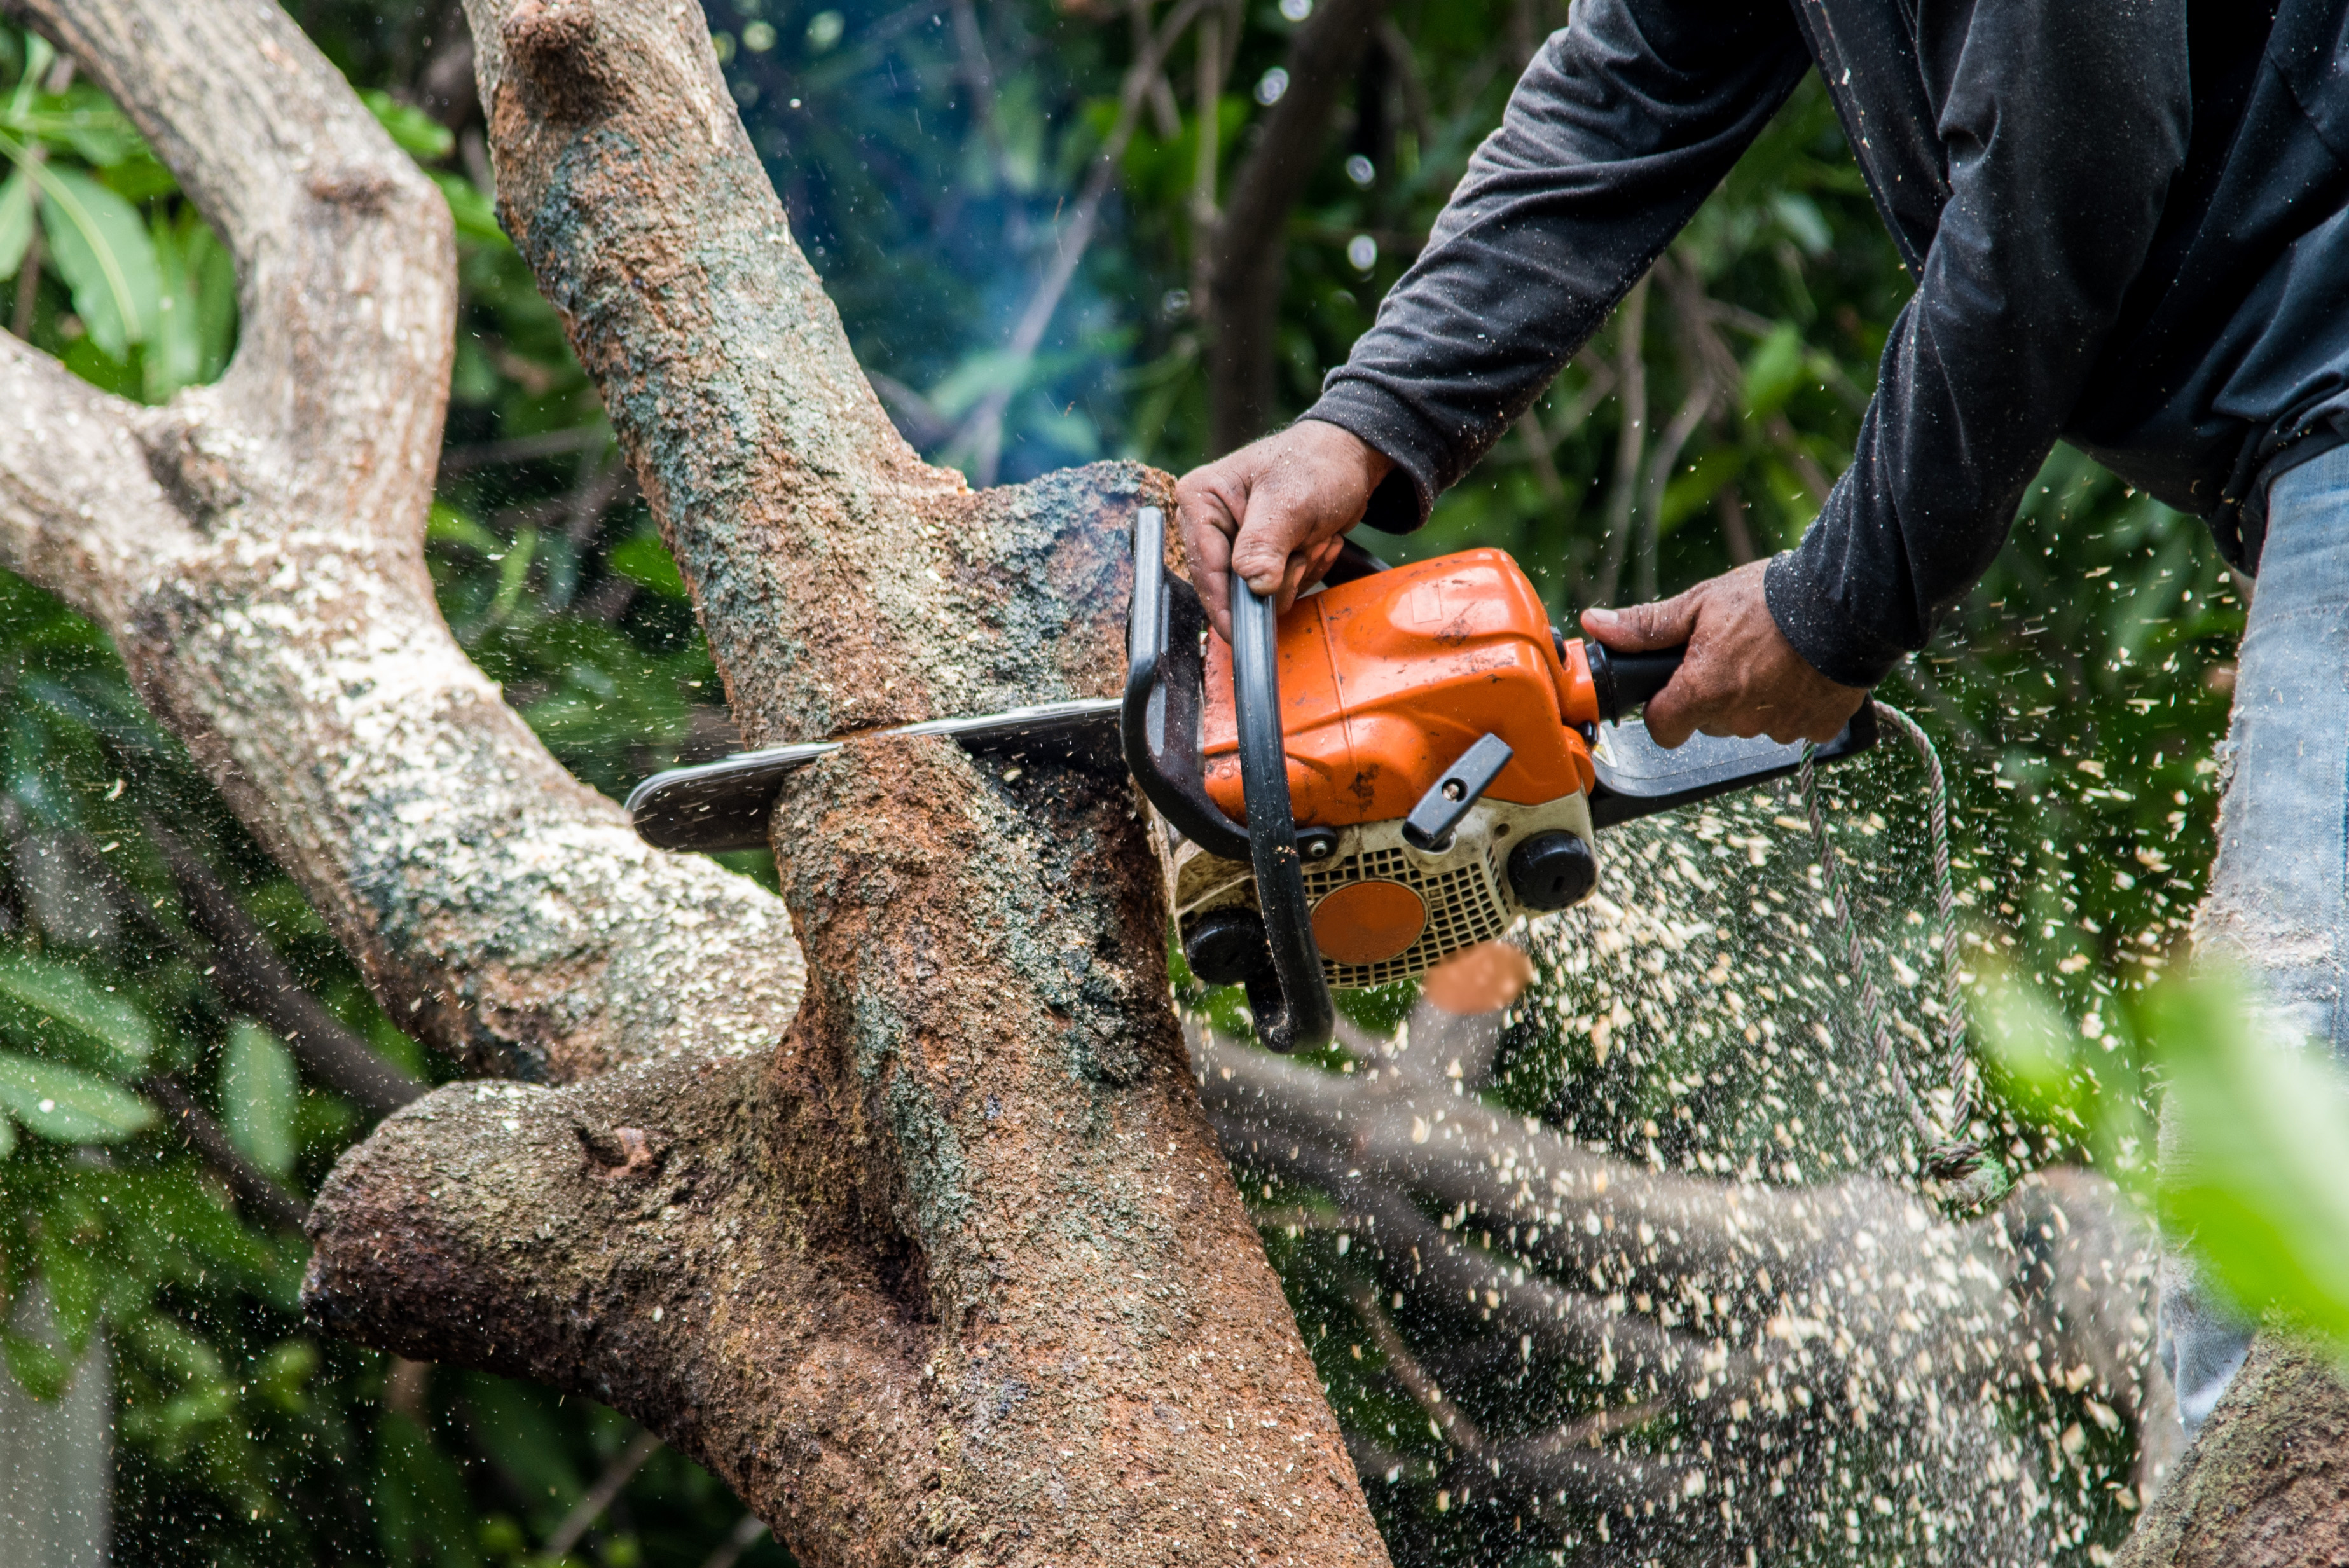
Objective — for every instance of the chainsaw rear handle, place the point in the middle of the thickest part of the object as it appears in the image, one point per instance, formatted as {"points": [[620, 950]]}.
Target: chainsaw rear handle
{"points": [[1625, 681]]}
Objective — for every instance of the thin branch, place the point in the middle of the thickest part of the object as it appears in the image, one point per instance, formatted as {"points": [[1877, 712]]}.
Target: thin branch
{"points": [[254, 1186], [982, 429], [1244, 288], [608, 1486], [522, 449], [746, 1533], [1163, 113], [1405, 1369], [1669, 446], [251, 976], [1630, 439], [1417, 106]]}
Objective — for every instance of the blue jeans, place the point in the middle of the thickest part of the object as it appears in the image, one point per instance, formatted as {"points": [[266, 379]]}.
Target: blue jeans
{"points": [[2278, 906]]}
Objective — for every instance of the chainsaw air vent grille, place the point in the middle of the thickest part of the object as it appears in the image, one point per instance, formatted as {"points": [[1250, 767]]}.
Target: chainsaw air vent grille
{"points": [[1462, 909]]}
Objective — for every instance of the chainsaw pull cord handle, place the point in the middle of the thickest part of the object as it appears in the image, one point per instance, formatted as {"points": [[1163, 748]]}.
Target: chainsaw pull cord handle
{"points": [[1962, 1175], [1303, 1018]]}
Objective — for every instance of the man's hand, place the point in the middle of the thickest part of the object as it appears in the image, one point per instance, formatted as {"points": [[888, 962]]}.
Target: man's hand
{"points": [[1742, 677], [1275, 511]]}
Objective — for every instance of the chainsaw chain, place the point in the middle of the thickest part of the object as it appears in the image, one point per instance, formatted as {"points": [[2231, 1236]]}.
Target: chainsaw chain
{"points": [[1961, 1174]]}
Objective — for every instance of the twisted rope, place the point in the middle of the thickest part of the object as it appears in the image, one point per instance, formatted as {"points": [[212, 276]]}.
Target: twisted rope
{"points": [[1960, 1173]]}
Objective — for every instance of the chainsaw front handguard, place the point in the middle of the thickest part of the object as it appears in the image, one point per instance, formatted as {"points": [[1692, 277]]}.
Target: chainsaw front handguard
{"points": [[1163, 695]]}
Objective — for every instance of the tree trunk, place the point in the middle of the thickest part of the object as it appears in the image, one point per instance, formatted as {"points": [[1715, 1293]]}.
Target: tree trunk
{"points": [[947, 1265], [2266, 1484]]}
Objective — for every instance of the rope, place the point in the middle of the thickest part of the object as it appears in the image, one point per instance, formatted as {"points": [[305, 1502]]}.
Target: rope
{"points": [[1960, 1173]]}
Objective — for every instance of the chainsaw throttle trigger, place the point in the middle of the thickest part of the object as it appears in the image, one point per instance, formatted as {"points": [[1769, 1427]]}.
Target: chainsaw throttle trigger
{"points": [[1451, 797], [1163, 676], [1301, 1015], [1624, 681]]}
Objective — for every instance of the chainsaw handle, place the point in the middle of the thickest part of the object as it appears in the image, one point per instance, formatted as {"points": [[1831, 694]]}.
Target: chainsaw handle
{"points": [[1624, 681], [1164, 674], [1304, 1018]]}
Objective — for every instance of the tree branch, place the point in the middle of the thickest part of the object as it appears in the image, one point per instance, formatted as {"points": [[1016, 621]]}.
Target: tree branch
{"points": [[984, 426], [1243, 301], [254, 550], [254, 1186]]}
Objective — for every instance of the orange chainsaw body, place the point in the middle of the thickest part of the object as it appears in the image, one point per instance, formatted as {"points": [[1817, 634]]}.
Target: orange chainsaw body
{"points": [[1387, 680]]}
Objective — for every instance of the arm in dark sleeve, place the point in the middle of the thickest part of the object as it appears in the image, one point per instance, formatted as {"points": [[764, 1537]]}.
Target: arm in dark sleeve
{"points": [[2063, 122], [1622, 125]]}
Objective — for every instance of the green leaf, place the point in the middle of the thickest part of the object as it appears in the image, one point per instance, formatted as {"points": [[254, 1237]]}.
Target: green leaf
{"points": [[59, 1008], [101, 249], [16, 221], [2260, 1178], [71, 1273], [1774, 371], [170, 1210], [474, 215], [175, 356], [446, 525], [646, 562], [69, 1107], [7, 1136], [418, 134], [259, 1095], [39, 1370]]}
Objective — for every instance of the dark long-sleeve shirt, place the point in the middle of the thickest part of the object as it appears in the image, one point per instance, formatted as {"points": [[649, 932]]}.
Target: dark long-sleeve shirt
{"points": [[2128, 227]]}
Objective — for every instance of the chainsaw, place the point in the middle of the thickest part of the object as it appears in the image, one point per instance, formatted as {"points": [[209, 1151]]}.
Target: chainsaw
{"points": [[1403, 765]]}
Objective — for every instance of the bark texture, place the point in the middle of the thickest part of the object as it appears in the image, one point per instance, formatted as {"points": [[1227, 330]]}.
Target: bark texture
{"points": [[256, 549], [948, 1267], [2266, 1485]]}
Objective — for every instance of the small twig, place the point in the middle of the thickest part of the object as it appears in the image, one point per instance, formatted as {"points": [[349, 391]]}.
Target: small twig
{"points": [[744, 1536], [1162, 110], [254, 1186], [1405, 1369], [1630, 439], [601, 484], [1416, 105], [1735, 533], [1669, 446], [982, 431], [252, 978], [522, 448], [1207, 94], [978, 74], [599, 1497]]}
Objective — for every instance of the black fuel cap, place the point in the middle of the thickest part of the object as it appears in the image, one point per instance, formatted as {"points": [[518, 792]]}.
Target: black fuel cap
{"points": [[1552, 871]]}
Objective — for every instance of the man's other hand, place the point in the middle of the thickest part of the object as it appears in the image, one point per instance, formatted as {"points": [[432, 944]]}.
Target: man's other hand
{"points": [[1275, 511], [1742, 677]]}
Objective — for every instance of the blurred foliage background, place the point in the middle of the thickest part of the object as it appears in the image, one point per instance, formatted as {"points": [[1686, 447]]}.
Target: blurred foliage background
{"points": [[1039, 222]]}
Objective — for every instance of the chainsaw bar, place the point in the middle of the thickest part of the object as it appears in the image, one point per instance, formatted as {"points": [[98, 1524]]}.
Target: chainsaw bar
{"points": [[724, 805]]}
